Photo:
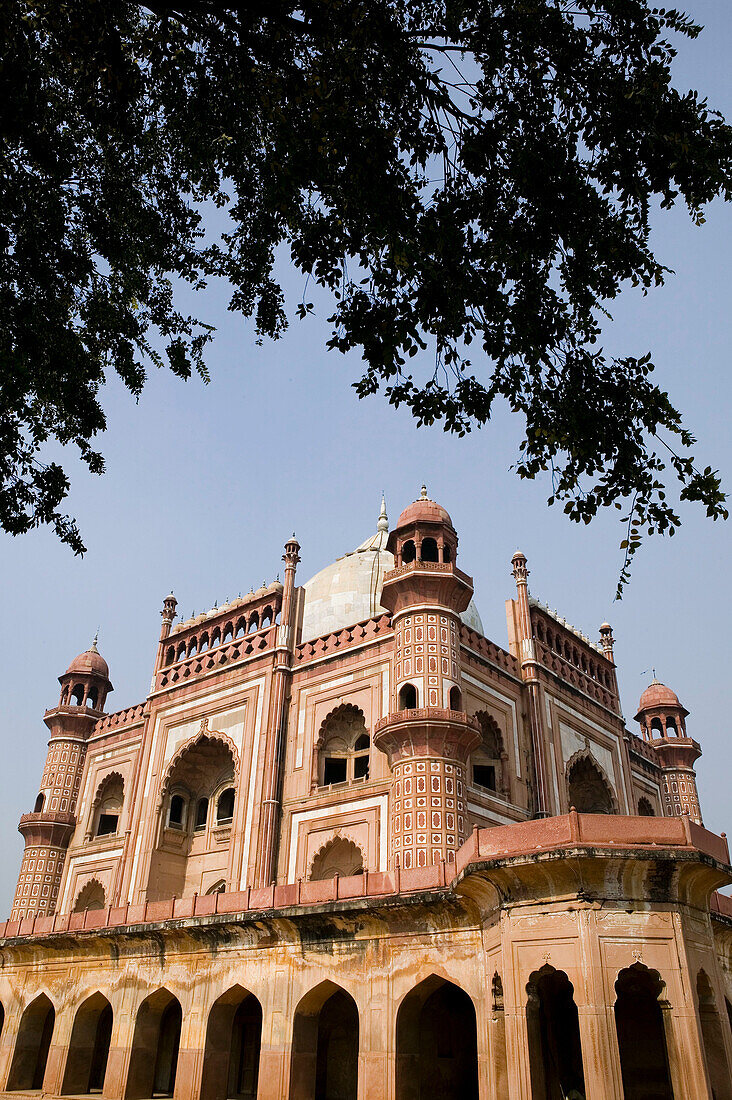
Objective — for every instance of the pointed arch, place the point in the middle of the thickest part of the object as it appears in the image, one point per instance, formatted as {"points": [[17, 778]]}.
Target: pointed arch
{"points": [[436, 1043], [325, 1045], [588, 788], [343, 746], [106, 808], [204, 734], [91, 896], [555, 1049], [201, 774], [340, 855], [86, 1061], [488, 762], [155, 1044], [639, 1022], [32, 1045], [232, 1049]]}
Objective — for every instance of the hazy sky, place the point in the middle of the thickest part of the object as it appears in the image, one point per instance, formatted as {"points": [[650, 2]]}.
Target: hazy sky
{"points": [[204, 484]]}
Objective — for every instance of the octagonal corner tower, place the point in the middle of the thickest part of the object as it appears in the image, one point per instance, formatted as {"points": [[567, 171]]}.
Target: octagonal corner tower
{"points": [[427, 735]]}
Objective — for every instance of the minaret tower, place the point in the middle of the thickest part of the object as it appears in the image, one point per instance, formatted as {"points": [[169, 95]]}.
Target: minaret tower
{"points": [[428, 735], [663, 725], [47, 831]]}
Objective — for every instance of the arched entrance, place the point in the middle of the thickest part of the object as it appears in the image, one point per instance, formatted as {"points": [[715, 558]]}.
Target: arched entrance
{"points": [[555, 1050], [154, 1056], [641, 1035], [713, 1039], [436, 1043], [233, 1039], [86, 1062], [324, 1061], [32, 1045]]}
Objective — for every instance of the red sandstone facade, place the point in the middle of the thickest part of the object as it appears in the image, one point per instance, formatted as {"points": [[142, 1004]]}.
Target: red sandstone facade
{"points": [[349, 847]]}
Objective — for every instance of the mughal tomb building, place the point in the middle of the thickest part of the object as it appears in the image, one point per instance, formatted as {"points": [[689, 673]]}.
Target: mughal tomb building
{"points": [[348, 847]]}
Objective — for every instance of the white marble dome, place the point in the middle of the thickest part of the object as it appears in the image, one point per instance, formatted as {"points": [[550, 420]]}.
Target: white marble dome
{"points": [[349, 590]]}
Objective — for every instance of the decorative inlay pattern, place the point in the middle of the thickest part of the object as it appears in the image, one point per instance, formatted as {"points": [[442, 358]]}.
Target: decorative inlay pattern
{"points": [[428, 811]]}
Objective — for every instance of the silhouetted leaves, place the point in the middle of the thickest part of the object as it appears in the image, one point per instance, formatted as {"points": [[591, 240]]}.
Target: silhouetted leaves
{"points": [[465, 175]]}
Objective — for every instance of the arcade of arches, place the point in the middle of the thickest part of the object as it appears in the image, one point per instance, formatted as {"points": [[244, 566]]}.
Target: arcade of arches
{"points": [[447, 1044]]}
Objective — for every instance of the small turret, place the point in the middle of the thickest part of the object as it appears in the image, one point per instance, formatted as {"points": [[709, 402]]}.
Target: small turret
{"points": [[663, 724], [48, 829]]}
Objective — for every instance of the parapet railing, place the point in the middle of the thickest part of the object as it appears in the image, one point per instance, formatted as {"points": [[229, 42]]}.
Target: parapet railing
{"points": [[427, 714], [526, 838], [209, 660], [345, 638]]}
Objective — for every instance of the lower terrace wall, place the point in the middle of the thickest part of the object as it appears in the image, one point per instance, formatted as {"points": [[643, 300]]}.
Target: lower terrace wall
{"points": [[450, 980]]}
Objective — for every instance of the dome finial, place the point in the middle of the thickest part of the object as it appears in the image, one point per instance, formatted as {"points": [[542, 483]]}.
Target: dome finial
{"points": [[423, 492], [383, 522], [93, 647]]}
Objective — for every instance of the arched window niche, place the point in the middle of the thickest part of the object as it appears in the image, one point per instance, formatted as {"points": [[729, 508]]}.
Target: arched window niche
{"points": [[340, 856], [408, 697], [107, 807], [197, 806], [343, 747], [488, 770], [91, 897], [588, 788]]}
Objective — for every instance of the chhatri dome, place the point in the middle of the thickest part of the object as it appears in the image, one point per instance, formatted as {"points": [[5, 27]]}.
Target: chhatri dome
{"points": [[349, 590], [89, 662]]}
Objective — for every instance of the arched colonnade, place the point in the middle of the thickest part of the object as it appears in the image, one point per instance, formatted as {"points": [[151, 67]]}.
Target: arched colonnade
{"points": [[437, 1052]]}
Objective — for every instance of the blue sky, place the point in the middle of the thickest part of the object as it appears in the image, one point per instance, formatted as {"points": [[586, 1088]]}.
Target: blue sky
{"points": [[205, 483]]}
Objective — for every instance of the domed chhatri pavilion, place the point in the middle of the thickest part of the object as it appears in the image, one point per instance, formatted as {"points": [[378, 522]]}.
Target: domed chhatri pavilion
{"points": [[348, 847]]}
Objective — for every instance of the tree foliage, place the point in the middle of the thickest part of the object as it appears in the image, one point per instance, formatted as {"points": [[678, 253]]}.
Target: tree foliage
{"points": [[465, 177]]}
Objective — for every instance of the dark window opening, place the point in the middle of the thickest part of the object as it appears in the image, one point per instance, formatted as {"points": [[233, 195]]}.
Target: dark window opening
{"points": [[77, 694], [484, 775], [175, 817], [409, 552], [201, 813], [38, 808], [335, 770], [361, 767], [446, 554], [407, 697], [107, 824], [456, 699], [225, 808], [428, 550]]}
